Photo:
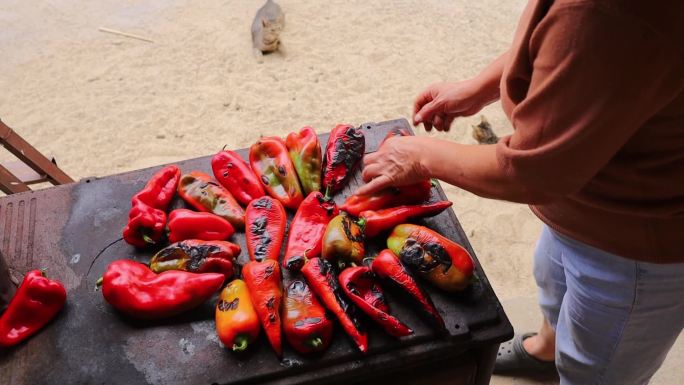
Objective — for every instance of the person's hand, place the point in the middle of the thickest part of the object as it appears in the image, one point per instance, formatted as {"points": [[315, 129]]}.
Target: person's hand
{"points": [[440, 103], [398, 162]]}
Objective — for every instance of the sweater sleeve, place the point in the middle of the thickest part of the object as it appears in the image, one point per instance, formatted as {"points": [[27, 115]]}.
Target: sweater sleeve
{"points": [[596, 78]]}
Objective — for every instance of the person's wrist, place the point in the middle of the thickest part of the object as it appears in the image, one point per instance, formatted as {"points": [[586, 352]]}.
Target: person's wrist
{"points": [[425, 160]]}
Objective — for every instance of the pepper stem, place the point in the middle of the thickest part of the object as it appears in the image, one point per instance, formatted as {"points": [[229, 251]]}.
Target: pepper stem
{"points": [[368, 261], [316, 342], [327, 193], [361, 223], [240, 344], [147, 239]]}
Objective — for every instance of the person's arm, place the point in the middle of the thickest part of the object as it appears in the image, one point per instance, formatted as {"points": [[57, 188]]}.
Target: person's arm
{"points": [[440, 103]]}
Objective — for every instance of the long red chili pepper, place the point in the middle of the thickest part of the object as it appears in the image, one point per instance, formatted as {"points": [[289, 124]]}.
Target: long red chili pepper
{"points": [[134, 289], [197, 256], [346, 146], [305, 152], [36, 302], [387, 266], [203, 193], [237, 323], [438, 259], [187, 224], [321, 278], [265, 222], [360, 287], [271, 163], [306, 324], [375, 222], [233, 173], [264, 283], [391, 197], [307, 229], [147, 217]]}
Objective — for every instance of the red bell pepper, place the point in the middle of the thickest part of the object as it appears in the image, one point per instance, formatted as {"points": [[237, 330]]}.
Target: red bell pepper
{"points": [[439, 260], [388, 267], [271, 163], [305, 152], [321, 278], [265, 228], [237, 323], [36, 302], [360, 287], [306, 324], [264, 283], [135, 290], [375, 222], [346, 146], [203, 193], [343, 241], [187, 224], [147, 217], [307, 229], [233, 173], [197, 256], [390, 197]]}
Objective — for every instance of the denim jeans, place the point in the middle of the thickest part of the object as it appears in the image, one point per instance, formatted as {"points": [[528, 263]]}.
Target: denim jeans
{"points": [[615, 319]]}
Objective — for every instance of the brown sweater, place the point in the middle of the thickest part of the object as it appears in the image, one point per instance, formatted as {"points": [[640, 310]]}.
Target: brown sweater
{"points": [[595, 92]]}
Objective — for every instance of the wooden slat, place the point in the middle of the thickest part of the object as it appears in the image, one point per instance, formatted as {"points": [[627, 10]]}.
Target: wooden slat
{"points": [[25, 173], [32, 157], [10, 184]]}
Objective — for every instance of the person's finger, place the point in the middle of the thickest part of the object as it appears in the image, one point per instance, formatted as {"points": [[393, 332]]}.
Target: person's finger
{"points": [[428, 126], [371, 158], [426, 112], [448, 122], [371, 171], [422, 99], [438, 121], [377, 184]]}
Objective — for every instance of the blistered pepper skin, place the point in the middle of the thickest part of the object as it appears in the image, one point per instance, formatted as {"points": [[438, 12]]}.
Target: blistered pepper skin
{"points": [[203, 192], [345, 148], [271, 163], [305, 152], [265, 222], [233, 173]]}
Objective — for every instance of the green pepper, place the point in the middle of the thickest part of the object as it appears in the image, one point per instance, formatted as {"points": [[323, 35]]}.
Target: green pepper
{"points": [[306, 155]]}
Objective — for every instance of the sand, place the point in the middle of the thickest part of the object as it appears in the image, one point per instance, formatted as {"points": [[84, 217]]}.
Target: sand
{"points": [[103, 104]]}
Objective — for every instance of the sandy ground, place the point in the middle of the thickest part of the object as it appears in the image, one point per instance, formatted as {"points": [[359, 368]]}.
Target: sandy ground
{"points": [[103, 104]]}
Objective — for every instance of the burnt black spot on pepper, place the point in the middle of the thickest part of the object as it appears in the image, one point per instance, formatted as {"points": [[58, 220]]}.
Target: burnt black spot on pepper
{"points": [[272, 318], [439, 254], [281, 170], [268, 271], [270, 303], [348, 225], [264, 179], [225, 174], [229, 165], [262, 203], [308, 321], [224, 305]]}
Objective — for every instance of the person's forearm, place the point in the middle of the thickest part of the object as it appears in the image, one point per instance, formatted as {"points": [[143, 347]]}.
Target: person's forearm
{"points": [[474, 168], [489, 79]]}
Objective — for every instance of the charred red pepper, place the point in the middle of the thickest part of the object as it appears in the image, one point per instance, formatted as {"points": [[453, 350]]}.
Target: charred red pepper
{"points": [[390, 197], [343, 241], [346, 146], [187, 224], [233, 173], [264, 283], [147, 217], [387, 266], [265, 228], [305, 152], [36, 302], [203, 193], [271, 163], [362, 289], [197, 256], [307, 229], [321, 277], [439, 260], [237, 324], [134, 289], [305, 322], [375, 222]]}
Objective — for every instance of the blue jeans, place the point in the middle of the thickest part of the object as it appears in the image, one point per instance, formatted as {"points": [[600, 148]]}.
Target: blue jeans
{"points": [[615, 319]]}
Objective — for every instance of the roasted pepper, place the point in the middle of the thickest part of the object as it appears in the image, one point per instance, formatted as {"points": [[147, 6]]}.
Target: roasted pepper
{"points": [[346, 146], [307, 229], [388, 267], [134, 289], [390, 197], [237, 324], [187, 224], [361, 288], [233, 173], [203, 193], [36, 302], [305, 322], [305, 152], [439, 260], [343, 241], [264, 283], [271, 163], [321, 278], [197, 256], [265, 222], [147, 217], [375, 222]]}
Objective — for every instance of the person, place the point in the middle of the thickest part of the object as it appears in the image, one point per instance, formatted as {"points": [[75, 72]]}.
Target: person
{"points": [[595, 93]]}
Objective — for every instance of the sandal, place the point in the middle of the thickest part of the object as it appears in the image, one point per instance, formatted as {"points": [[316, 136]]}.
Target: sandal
{"points": [[512, 358]]}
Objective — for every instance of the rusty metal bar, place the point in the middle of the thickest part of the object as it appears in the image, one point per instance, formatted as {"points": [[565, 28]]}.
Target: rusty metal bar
{"points": [[10, 184]]}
